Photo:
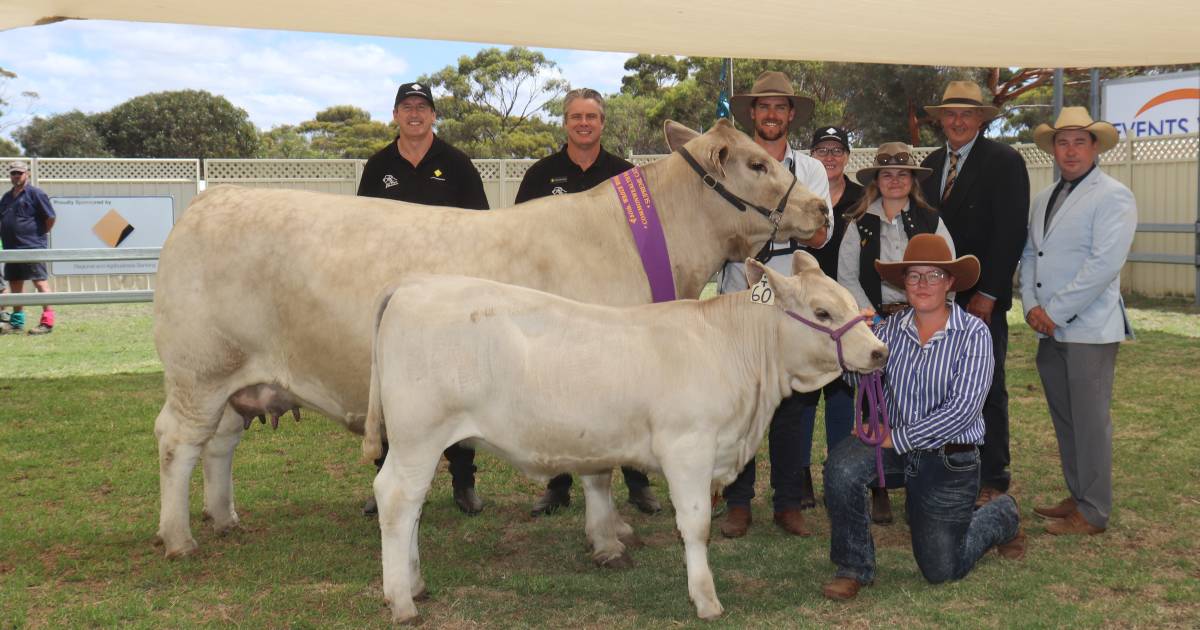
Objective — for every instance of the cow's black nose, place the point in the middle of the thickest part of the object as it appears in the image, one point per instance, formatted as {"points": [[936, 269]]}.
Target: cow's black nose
{"points": [[878, 356]]}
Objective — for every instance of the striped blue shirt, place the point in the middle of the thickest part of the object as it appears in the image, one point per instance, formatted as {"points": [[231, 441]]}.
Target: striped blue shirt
{"points": [[935, 392]]}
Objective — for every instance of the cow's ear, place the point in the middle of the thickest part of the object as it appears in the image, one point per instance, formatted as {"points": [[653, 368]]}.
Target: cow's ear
{"points": [[718, 156], [754, 271], [677, 134], [803, 261]]}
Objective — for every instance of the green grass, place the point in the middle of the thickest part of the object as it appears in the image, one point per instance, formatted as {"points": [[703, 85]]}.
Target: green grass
{"points": [[79, 507]]}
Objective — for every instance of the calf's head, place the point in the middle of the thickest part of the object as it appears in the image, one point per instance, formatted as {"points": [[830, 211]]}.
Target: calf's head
{"points": [[809, 355], [750, 173]]}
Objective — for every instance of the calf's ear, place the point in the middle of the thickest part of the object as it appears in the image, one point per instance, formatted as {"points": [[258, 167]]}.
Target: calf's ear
{"points": [[677, 134], [754, 271], [803, 261]]}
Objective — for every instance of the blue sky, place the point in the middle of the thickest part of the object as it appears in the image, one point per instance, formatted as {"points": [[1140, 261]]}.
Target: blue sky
{"points": [[279, 77]]}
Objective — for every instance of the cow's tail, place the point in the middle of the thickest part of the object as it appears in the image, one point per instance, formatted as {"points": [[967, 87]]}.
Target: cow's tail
{"points": [[374, 429]]}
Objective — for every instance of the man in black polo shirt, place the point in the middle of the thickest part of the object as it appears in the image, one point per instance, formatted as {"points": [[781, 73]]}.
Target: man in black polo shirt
{"points": [[581, 164], [419, 167]]}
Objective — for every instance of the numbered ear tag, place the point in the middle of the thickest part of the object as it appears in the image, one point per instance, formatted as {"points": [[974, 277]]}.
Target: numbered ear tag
{"points": [[762, 293]]}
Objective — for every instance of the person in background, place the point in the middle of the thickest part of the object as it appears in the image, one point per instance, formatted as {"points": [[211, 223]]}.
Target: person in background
{"points": [[771, 110], [581, 164], [980, 188], [1080, 232], [419, 167], [26, 218], [891, 211]]}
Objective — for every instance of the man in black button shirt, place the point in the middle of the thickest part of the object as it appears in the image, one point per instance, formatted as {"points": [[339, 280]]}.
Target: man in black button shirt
{"points": [[421, 168], [581, 164]]}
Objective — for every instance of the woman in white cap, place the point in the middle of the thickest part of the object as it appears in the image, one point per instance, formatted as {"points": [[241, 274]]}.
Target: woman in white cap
{"points": [[937, 376], [892, 211]]}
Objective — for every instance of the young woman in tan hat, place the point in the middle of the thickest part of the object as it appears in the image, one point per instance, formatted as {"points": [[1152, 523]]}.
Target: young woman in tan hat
{"points": [[892, 210], [938, 373]]}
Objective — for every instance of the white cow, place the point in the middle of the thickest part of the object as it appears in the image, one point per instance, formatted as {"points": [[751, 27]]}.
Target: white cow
{"points": [[684, 388], [264, 298]]}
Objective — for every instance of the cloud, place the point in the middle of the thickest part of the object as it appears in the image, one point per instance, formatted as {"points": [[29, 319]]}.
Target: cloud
{"points": [[600, 71]]}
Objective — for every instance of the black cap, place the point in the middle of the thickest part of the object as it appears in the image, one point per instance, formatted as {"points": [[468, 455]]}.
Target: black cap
{"points": [[837, 134], [414, 89]]}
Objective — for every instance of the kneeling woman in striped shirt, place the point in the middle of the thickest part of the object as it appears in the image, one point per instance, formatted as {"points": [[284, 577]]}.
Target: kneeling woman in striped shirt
{"points": [[938, 372]]}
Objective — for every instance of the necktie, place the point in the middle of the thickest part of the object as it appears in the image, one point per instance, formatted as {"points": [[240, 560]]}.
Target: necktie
{"points": [[1058, 202], [950, 176]]}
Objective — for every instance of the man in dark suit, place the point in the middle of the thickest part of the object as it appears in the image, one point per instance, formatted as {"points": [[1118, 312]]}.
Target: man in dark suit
{"points": [[981, 189]]}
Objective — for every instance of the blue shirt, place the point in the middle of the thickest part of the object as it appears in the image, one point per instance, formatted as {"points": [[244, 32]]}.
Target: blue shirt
{"points": [[935, 392], [23, 219]]}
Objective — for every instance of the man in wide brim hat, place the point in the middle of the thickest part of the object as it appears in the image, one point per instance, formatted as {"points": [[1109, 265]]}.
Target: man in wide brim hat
{"points": [[931, 250], [892, 155], [963, 95], [1075, 118], [771, 83]]}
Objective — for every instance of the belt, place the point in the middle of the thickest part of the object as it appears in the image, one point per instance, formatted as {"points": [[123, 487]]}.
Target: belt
{"points": [[957, 448], [891, 308]]}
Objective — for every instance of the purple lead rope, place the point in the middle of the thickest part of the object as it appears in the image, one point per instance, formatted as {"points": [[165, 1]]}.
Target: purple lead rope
{"points": [[871, 385]]}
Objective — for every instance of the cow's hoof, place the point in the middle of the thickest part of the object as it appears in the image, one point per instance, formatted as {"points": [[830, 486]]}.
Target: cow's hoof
{"points": [[422, 595], [709, 612], [631, 540], [622, 561], [180, 550], [404, 614], [227, 528]]}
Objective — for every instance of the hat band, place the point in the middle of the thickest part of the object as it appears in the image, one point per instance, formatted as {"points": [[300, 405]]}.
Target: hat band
{"points": [[962, 101]]}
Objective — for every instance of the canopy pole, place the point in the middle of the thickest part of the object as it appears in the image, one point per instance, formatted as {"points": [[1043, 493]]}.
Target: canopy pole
{"points": [[1058, 105]]}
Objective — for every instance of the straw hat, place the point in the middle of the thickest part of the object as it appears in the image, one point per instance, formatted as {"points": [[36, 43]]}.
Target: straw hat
{"points": [[963, 95], [893, 155], [1071, 118], [931, 250], [771, 83]]}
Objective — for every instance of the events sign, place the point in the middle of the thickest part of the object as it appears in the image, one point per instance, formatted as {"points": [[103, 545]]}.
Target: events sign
{"points": [[1158, 105], [109, 222]]}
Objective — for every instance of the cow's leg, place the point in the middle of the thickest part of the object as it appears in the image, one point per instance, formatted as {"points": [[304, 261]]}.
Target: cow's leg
{"points": [[218, 471], [177, 457], [603, 526], [690, 479], [400, 489]]}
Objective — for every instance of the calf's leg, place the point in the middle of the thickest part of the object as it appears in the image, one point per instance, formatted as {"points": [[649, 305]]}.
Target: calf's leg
{"points": [[602, 524], [218, 471], [400, 489], [690, 479]]}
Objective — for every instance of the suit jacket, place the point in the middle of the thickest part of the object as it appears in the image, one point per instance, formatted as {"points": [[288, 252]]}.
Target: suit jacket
{"points": [[986, 213], [1073, 269]]}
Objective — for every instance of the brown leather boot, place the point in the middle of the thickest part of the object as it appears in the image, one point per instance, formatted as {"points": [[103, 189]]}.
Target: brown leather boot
{"points": [[881, 507], [1073, 523], [737, 521], [842, 588], [1062, 510], [987, 494], [1013, 549], [792, 522]]}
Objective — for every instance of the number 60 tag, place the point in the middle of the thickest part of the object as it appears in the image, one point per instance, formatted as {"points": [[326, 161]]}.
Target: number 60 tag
{"points": [[762, 293]]}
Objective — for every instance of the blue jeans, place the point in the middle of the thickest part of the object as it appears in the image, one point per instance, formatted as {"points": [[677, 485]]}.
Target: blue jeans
{"points": [[839, 417], [948, 534]]}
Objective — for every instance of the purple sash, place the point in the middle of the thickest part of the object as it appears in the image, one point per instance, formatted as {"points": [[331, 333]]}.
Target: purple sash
{"points": [[647, 232]]}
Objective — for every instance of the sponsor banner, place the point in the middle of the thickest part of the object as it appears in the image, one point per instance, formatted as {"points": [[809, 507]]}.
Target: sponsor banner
{"points": [[109, 222], [1158, 105]]}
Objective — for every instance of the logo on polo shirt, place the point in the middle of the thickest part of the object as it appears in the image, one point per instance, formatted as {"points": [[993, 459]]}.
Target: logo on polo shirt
{"points": [[558, 190], [831, 130], [437, 175], [390, 180]]}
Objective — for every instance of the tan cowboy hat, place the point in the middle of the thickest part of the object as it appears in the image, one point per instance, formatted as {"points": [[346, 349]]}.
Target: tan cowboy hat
{"points": [[931, 250], [963, 95], [771, 83], [1071, 118], [893, 155]]}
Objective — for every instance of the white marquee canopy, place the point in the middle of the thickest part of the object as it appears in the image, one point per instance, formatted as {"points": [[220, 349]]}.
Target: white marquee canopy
{"points": [[1059, 33]]}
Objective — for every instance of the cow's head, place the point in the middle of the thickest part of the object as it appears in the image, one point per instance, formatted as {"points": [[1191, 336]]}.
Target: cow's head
{"points": [[747, 171], [808, 355]]}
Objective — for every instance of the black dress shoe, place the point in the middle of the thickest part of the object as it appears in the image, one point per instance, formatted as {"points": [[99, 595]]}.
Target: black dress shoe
{"points": [[468, 501], [369, 508], [550, 501], [643, 499]]}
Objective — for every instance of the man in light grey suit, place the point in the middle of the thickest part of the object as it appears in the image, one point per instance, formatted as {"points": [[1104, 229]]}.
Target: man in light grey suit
{"points": [[1080, 231]]}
